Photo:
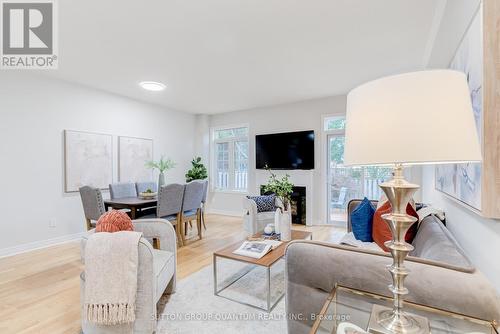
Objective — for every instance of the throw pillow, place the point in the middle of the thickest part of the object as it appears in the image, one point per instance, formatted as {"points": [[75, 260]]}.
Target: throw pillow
{"points": [[361, 221], [382, 232], [114, 221], [264, 203]]}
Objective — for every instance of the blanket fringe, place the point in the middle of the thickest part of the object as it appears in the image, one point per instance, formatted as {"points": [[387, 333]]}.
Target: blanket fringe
{"points": [[109, 314]]}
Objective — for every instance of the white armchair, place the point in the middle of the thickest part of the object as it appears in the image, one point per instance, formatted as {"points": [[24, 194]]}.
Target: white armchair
{"points": [[254, 221], [156, 275]]}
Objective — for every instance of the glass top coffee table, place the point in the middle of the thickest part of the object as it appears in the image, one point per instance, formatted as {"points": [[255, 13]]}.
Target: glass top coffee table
{"points": [[346, 305], [266, 263]]}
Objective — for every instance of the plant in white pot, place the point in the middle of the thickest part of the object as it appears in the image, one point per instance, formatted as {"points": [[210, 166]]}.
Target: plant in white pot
{"points": [[162, 165], [282, 188]]}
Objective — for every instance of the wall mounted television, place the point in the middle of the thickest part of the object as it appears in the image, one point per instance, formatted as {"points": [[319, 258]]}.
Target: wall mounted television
{"points": [[289, 150]]}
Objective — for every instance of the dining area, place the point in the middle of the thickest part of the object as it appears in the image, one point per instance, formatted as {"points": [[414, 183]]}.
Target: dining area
{"points": [[180, 204]]}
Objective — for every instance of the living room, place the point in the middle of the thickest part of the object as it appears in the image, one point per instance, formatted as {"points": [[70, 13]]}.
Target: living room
{"points": [[261, 164]]}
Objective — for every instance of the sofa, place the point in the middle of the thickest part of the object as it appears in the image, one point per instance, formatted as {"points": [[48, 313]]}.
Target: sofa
{"points": [[441, 275], [156, 275]]}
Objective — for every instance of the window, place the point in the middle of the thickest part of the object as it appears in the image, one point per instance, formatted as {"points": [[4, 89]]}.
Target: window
{"points": [[231, 159], [334, 123]]}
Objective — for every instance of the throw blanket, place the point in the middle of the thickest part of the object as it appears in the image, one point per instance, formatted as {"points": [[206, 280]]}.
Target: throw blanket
{"points": [[111, 261]]}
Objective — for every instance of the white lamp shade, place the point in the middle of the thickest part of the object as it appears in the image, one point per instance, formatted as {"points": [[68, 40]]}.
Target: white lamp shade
{"points": [[411, 118]]}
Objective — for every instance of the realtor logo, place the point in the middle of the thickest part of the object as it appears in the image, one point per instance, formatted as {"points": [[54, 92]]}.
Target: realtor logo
{"points": [[28, 35]]}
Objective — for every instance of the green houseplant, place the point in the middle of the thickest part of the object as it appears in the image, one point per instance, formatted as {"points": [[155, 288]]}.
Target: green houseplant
{"points": [[283, 189], [197, 172], [162, 166]]}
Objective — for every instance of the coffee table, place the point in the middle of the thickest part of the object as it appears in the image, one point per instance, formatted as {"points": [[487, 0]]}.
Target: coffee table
{"points": [[267, 261]]}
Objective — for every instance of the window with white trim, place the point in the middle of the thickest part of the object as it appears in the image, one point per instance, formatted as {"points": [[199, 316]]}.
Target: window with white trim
{"points": [[230, 159]]}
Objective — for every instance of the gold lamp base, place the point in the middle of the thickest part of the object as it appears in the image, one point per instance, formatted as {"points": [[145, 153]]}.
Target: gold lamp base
{"points": [[383, 320]]}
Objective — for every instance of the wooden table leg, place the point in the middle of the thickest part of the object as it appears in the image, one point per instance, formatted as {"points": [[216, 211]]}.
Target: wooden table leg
{"points": [[133, 212]]}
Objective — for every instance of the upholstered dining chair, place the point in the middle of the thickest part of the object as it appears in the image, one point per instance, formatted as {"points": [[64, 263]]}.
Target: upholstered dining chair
{"points": [[169, 206], [93, 205], [122, 190], [191, 206], [141, 187]]}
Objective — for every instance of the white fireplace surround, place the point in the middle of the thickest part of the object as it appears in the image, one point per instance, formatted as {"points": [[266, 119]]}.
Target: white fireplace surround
{"points": [[300, 178]]}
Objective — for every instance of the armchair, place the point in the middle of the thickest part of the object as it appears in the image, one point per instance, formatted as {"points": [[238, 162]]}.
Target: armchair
{"points": [[254, 221], [156, 275]]}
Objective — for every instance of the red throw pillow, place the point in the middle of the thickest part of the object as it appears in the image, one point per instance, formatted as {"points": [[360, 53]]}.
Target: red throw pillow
{"points": [[114, 221], [381, 231]]}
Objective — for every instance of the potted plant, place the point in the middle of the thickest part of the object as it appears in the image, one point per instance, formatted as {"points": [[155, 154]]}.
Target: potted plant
{"points": [[282, 188], [197, 172], [163, 165]]}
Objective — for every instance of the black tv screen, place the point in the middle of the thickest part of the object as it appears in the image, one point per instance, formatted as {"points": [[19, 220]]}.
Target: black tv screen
{"points": [[290, 150]]}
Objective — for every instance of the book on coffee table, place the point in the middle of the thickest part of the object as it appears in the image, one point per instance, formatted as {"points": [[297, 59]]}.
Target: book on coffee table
{"points": [[256, 249]]}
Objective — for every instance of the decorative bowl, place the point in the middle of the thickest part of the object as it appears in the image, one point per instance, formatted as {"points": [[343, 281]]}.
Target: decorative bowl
{"points": [[144, 195]]}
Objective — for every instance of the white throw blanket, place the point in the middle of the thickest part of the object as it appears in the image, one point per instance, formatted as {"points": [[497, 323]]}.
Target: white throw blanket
{"points": [[111, 261], [350, 239]]}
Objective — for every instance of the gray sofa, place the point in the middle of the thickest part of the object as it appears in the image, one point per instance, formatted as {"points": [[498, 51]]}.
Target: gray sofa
{"points": [[441, 275]]}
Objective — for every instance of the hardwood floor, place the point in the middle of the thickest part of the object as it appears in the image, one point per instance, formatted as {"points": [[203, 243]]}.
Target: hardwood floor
{"points": [[40, 290]]}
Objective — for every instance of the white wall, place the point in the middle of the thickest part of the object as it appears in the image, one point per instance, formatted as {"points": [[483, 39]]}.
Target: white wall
{"points": [[305, 115], [480, 237], [34, 111]]}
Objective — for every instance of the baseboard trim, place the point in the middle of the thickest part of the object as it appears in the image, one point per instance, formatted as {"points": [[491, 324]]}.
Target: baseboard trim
{"points": [[225, 212], [14, 250]]}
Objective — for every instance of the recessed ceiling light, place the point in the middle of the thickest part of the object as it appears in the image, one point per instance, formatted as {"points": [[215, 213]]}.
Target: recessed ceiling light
{"points": [[152, 86]]}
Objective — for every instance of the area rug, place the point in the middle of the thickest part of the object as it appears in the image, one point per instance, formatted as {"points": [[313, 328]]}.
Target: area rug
{"points": [[195, 309]]}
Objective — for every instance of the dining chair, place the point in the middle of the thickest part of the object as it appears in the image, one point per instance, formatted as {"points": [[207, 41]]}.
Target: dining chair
{"points": [[122, 190], [141, 187], [191, 206], [203, 202], [169, 206], [93, 205]]}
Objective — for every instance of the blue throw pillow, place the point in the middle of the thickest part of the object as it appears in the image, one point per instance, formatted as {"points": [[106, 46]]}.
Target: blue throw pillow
{"points": [[264, 203], [362, 221]]}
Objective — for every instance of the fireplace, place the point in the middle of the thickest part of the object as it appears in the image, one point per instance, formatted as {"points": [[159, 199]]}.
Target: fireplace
{"points": [[298, 204]]}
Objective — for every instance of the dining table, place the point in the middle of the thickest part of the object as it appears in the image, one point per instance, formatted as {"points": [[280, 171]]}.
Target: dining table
{"points": [[134, 204]]}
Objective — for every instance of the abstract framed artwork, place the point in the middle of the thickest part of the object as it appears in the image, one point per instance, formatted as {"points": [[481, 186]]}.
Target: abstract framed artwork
{"points": [[478, 56], [463, 181], [88, 160], [132, 156]]}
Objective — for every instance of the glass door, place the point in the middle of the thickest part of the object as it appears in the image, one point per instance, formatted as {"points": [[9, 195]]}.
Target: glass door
{"points": [[346, 183]]}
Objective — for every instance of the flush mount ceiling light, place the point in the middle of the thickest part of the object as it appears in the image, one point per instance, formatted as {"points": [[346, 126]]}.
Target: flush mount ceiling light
{"points": [[152, 86]]}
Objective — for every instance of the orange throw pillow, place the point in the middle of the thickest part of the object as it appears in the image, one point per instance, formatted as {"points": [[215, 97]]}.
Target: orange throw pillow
{"points": [[381, 231], [114, 221]]}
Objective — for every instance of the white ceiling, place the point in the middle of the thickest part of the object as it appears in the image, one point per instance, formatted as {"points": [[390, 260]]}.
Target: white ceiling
{"points": [[224, 55]]}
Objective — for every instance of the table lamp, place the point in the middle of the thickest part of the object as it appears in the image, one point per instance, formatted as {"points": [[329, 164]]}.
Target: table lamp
{"points": [[421, 117]]}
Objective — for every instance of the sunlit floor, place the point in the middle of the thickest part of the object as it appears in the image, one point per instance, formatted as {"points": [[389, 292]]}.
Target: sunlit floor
{"points": [[40, 290]]}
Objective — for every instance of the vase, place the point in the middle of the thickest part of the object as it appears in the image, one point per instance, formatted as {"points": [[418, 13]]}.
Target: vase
{"points": [[286, 226], [277, 219], [161, 181]]}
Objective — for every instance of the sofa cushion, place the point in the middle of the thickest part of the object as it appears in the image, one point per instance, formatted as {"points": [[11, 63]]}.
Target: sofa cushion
{"points": [[362, 219], [435, 242], [264, 203], [382, 232], [163, 269]]}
